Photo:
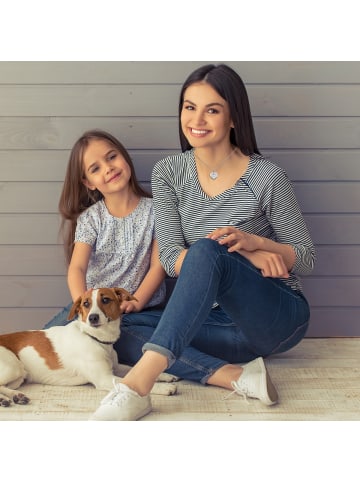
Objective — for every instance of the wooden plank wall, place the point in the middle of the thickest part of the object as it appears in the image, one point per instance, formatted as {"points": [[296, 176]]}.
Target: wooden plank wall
{"points": [[307, 119]]}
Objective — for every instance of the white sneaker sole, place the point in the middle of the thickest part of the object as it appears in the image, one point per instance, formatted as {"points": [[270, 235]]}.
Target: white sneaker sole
{"points": [[107, 416], [270, 396]]}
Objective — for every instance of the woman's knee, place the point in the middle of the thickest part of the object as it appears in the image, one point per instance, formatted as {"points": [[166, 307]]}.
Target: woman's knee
{"points": [[204, 249], [293, 340]]}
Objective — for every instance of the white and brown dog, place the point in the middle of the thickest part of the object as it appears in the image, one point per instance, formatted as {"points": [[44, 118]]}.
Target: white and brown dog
{"points": [[76, 354]]}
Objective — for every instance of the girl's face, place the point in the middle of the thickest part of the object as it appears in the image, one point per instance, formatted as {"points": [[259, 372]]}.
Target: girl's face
{"points": [[205, 117], [105, 169]]}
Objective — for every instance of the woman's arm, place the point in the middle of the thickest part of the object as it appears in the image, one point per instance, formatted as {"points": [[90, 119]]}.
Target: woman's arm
{"points": [[179, 261], [149, 284], [291, 249], [76, 276], [286, 219], [272, 258], [169, 233]]}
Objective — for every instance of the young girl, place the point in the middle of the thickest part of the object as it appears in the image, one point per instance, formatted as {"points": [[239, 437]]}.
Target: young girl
{"points": [[230, 228], [108, 225]]}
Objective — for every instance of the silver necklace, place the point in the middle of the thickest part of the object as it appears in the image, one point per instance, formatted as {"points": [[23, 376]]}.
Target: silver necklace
{"points": [[214, 172]]}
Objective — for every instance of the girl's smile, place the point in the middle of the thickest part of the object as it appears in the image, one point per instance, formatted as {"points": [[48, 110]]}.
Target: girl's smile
{"points": [[115, 177]]}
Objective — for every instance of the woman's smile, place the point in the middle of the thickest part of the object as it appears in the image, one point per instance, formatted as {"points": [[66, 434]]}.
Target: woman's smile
{"points": [[198, 132]]}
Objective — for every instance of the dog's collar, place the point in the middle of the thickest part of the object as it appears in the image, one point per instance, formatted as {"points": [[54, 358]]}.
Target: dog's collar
{"points": [[100, 341]]}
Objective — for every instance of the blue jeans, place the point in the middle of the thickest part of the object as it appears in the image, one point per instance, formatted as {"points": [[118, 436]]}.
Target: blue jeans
{"points": [[61, 318], [256, 316]]}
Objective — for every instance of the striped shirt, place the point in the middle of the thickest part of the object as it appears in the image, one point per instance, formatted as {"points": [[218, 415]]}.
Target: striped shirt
{"points": [[261, 202]]}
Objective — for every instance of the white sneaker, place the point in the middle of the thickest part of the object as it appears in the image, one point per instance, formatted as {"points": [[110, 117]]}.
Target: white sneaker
{"points": [[255, 382], [122, 403]]}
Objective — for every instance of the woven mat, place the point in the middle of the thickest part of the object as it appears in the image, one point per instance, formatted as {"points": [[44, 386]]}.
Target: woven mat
{"points": [[318, 380]]}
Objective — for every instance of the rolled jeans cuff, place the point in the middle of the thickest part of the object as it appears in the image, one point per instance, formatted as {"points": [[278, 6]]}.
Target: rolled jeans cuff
{"points": [[163, 351]]}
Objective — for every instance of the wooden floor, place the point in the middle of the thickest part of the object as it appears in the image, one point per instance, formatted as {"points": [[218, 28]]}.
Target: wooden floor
{"points": [[317, 380]]}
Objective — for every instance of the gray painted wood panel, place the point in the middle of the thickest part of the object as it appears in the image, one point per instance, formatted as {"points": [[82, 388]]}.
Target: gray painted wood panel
{"points": [[334, 321], [306, 116], [337, 291], [112, 100], [33, 291], [18, 318], [32, 260], [334, 229], [174, 72], [29, 229], [337, 260]]}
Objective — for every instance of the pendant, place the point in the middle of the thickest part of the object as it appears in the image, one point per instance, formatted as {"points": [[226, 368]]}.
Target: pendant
{"points": [[214, 175]]}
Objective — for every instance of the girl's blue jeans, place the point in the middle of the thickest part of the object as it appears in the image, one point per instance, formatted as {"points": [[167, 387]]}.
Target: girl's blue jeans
{"points": [[255, 316]]}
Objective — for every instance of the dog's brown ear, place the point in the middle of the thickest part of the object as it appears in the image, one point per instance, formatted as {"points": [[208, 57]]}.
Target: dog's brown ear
{"points": [[75, 309], [123, 295]]}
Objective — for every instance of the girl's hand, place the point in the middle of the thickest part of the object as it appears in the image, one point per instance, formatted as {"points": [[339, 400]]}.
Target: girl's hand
{"points": [[235, 239], [130, 306]]}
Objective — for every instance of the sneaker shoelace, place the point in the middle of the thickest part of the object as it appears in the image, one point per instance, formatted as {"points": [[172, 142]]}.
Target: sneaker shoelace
{"points": [[243, 392], [117, 395]]}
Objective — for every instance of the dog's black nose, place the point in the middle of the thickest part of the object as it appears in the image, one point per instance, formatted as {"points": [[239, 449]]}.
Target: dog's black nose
{"points": [[94, 319]]}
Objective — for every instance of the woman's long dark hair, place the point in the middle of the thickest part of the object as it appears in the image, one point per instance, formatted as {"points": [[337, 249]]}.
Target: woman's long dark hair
{"points": [[75, 197], [231, 88]]}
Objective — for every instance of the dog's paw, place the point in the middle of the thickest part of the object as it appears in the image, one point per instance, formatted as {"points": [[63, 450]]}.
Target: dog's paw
{"points": [[5, 402], [171, 388], [164, 389], [168, 378], [21, 399]]}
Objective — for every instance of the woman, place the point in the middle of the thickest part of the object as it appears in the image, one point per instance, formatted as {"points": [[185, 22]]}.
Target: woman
{"points": [[230, 229]]}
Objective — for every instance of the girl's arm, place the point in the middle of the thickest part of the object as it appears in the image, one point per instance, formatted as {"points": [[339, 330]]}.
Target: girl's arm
{"points": [[149, 284], [76, 276]]}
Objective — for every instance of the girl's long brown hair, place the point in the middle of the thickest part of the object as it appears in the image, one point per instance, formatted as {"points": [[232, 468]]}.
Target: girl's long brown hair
{"points": [[75, 197]]}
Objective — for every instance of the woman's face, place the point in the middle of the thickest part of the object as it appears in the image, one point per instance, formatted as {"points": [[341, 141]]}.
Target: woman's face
{"points": [[205, 117]]}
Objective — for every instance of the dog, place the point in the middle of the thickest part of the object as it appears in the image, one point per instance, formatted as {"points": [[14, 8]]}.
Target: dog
{"points": [[76, 354]]}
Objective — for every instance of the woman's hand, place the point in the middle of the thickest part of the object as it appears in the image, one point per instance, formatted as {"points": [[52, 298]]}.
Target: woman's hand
{"points": [[235, 239], [271, 264]]}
